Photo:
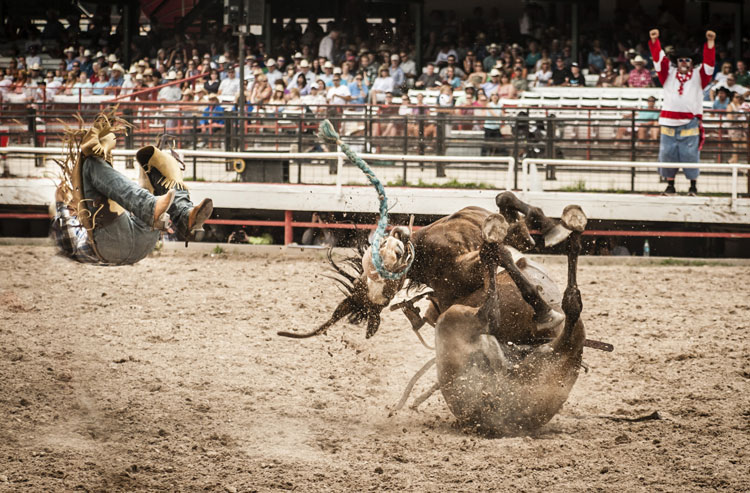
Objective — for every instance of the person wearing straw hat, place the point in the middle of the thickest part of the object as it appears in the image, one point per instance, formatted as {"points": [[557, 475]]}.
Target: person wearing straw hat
{"points": [[682, 110], [640, 76], [116, 76], [172, 92]]}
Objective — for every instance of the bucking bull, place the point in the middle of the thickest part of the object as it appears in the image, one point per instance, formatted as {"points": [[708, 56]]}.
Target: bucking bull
{"points": [[506, 357]]}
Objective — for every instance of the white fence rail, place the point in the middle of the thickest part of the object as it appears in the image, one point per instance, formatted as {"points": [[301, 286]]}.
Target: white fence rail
{"points": [[319, 156], [528, 166]]}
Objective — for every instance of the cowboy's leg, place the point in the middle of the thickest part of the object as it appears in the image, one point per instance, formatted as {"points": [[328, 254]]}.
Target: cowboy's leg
{"points": [[99, 178], [126, 240], [181, 207]]}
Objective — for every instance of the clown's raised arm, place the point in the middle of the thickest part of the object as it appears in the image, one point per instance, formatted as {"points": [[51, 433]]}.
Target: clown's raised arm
{"points": [[661, 61]]}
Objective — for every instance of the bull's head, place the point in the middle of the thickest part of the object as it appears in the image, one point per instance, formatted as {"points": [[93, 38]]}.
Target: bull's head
{"points": [[367, 292]]}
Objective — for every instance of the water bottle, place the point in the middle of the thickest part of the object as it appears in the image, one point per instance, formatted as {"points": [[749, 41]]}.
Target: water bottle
{"points": [[646, 249]]}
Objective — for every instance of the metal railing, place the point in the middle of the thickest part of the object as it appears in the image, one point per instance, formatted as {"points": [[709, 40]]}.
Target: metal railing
{"points": [[581, 134], [528, 165]]}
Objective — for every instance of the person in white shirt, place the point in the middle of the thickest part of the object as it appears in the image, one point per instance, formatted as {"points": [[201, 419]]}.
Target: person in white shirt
{"points": [[230, 86], [83, 86], [338, 93], [304, 69], [170, 93], [326, 46], [273, 73], [327, 75], [381, 85]]}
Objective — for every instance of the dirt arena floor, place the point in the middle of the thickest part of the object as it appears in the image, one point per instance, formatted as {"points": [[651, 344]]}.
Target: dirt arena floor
{"points": [[168, 376]]}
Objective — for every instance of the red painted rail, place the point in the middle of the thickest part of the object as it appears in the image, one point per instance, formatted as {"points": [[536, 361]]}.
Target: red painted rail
{"points": [[289, 224]]}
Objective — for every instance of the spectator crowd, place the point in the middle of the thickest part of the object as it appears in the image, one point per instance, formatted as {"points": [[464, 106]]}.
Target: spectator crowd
{"points": [[480, 57]]}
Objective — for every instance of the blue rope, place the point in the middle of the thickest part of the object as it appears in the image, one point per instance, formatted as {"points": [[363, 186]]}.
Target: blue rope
{"points": [[327, 133]]}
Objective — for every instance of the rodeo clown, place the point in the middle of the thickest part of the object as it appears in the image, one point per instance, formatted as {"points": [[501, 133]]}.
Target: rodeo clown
{"points": [[102, 217], [682, 110]]}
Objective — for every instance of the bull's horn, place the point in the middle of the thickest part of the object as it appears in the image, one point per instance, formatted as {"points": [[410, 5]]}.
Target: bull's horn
{"points": [[344, 308]]}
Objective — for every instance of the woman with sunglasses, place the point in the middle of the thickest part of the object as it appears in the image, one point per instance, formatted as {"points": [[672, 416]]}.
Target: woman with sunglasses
{"points": [[682, 110]]}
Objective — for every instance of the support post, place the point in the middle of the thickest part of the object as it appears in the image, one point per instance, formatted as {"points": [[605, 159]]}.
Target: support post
{"points": [[574, 30], [288, 232]]}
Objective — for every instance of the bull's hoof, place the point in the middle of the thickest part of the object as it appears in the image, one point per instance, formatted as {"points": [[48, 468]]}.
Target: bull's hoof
{"points": [[548, 320], [495, 229], [574, 219]]}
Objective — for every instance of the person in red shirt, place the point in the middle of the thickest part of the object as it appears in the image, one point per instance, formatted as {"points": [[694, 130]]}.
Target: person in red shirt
{"points": [[682, 110], [640, 76]]}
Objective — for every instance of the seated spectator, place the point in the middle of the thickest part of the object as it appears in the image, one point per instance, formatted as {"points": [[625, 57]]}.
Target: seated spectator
{"points": [[608, 75], [358, 89], [83, 87], [101, 83], [494, 82], [721, 76], [506, 90], [53, 86], [338, 93], [722, 99], [445, 98], [261, 91], [409, 67], [230, 87], [380, 127], [519, 80], [621, 80], [395, 72], [640, 76], [478, 76], [543, 76], [576, 79], [428, 77], [187, 96], [382, 85], [742, 75], [731, 84], [327, 74], [273, 73], [172, 92], [492, 57], [456, 69], [561, 74], [213, 82], [596, 59], [213, 116], [450, 77], [277, 100]]}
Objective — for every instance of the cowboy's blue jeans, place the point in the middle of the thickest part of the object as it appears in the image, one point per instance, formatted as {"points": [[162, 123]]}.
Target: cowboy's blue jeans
{"points": [[679, 148], [130, 237]]}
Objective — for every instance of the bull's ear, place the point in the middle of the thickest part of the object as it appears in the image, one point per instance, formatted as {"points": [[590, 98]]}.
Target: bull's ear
{"points": [[373, 324], [344, 308]]}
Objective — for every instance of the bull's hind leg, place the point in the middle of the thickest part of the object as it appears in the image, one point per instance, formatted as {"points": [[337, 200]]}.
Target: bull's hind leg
{"points": [[509, 206], [492, 252], [574, 219]]}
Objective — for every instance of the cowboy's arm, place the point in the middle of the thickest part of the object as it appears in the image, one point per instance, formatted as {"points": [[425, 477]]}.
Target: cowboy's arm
{"points": [[661, 62], [709, 59]]}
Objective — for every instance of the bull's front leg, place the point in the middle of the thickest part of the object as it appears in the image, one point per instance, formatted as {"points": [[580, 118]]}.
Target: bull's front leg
{"points": [[574, 219], [509, 205], [493, 253]]}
